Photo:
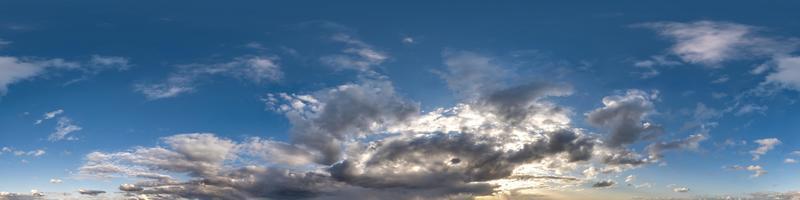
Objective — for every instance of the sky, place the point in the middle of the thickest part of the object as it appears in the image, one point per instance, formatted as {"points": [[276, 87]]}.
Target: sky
{"points": [[399, 100]]}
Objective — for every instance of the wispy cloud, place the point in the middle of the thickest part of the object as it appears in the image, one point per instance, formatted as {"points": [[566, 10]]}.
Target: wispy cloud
{"points": [[255, 69]]}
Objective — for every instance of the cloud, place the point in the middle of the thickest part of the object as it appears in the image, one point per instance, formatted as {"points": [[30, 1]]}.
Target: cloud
{"points": [[408, 40], [34, 153], [750, 108], [604, 184], [356, 55], [16, 69], [630, 178], [764, 145], [711, 43], [757, 170], [100, 63], [4, 43], [56, 181], [49, 115], [680, 189], [364, 140], [691, 143], [63, 129], [91, 192], [254, 69], [470, 74], [786, 73], [789, 161], [624, 117]]}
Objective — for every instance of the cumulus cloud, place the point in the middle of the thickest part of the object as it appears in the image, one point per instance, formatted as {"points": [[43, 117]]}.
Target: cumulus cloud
{"points": [[255, 69], [56, 181], [363, 140], [63, 129], [624, 117], [789, 161], [712, 42], [764, 145]]}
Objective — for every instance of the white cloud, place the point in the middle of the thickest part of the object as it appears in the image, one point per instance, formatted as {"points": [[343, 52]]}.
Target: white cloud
{"points": [[710, 42], [63, 129], [255, 69], [757, 170], [630, 178], [765, 145], [99, 63], [14, 69], [750, 108], [680, 189], [56, 181], [357, 54], [786, 73], [789, 161], [408, 40], [49, 115]]}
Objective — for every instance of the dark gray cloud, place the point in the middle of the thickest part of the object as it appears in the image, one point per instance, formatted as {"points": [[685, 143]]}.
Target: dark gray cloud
{"points": [[604, 184], [91, 192], [624, 117]]}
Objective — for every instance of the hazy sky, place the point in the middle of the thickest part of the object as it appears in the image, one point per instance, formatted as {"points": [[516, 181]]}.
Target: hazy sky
{"points": [[399, 100]]}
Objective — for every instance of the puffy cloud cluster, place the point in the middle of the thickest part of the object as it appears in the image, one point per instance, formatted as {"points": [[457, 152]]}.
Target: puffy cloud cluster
{"points": [[363, 140], [255, 69]]}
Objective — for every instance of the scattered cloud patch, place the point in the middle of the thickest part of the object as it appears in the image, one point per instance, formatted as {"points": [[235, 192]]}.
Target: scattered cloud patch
{"points": [[764, 145], [254, 69]]}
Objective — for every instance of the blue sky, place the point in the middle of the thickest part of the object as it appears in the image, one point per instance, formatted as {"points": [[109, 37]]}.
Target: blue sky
{"points": [[569, 100]]}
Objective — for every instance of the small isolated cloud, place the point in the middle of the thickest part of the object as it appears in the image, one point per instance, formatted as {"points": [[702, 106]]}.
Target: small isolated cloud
{"points": [[408, 40], [757, 170], [357, 55], [750, 108], [49, 115], [100, 63], [604, 184], [4, 43], [91, 192], [56, 181], [764, 145], [680, 189], [630, 178], [63, 129], [789, 161], [254, 69]]}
